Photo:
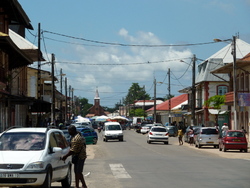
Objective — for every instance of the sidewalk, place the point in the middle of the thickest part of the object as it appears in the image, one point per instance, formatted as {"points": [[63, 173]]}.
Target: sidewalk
{"points": [[232, 154]]}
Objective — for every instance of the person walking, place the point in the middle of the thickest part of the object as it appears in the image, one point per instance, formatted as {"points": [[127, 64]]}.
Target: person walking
{"points": [[180, 135], [191, 136], [78, 152]]}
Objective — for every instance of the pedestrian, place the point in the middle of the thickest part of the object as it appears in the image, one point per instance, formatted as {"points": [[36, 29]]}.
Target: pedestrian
{"points": [[180, 135], [224, 128], [244, 130], [78, 152], [191, 136]]}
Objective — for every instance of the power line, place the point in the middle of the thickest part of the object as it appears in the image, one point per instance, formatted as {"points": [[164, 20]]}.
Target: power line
{"points": [[148, 62], [127, 45]]}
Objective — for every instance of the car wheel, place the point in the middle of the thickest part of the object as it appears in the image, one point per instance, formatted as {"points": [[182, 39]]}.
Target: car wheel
{"points": [[220, 148], [246, 150], [121, 140], [66, 182], [199, 146], [149, 142], [165, 142], [47, 181], [94, 140], [106, 139]]}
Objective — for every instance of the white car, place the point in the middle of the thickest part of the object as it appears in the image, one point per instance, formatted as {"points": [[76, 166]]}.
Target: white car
{"points": [[146, 128], [112, 131], [158, 134], [32, 157]]}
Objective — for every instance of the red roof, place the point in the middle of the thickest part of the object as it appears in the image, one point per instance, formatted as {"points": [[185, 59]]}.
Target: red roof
{"points": [[175, 101]]}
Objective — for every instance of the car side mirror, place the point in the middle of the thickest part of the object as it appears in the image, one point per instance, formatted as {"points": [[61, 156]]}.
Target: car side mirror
{"points": [[56, 149]]}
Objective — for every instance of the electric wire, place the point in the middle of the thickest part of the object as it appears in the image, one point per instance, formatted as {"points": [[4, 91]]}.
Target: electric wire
{"points": [[128, 45]]}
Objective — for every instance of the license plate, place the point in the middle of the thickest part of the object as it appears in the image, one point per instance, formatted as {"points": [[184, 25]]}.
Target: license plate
{"points": [[236, 140], [210, 142], [158, 134], [115, 136], [9, 175]]}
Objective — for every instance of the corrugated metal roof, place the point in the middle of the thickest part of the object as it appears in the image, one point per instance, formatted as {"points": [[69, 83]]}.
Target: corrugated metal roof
{"points": [[175, 102], [219, 59]]}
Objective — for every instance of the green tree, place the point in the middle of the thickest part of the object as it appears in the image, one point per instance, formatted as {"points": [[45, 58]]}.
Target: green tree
{"points": [[135, 93], [215, 102], [137, 112]]}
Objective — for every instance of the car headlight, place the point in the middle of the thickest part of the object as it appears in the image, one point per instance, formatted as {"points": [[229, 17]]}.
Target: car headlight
{"points": [[36, 166]]}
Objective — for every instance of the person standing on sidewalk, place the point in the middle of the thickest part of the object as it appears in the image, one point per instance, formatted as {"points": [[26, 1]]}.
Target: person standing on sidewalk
{"points": [[180, 135], [78, 150], [191, 136]]}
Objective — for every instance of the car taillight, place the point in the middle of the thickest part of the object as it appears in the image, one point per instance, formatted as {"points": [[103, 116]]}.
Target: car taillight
{"points": [[150, 133], [166, 134]]}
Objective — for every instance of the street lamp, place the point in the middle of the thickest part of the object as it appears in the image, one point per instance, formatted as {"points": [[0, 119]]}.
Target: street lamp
{"points": [[234, 75]]}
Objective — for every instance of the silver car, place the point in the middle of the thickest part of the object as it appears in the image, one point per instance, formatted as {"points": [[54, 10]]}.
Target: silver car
{"points": [[207, 136], [158, 134]]}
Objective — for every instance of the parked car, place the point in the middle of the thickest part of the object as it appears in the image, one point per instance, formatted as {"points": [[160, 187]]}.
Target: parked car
{"points": [[172, 131], [158, 134], [186, 134], [32, 157], [66, 134], [207, 136], [89, 134], [233, 140], [112, 131], [146, 128]]}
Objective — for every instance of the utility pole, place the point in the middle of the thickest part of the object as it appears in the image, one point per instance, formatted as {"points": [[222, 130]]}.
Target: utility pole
{"points": [[66, 101], [61, 95], [39, 76], [154, 101], [53, 89], [144, 101], [234, 81], [193, 93], [72, 103], [169, 100], [70, 107]]}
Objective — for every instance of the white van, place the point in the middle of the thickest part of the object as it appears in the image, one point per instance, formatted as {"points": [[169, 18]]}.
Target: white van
{"points": [[137, 121], [112, 131]]}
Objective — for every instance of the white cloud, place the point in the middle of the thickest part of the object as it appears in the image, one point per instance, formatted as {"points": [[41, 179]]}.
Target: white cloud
{"points": [[119, 67]]}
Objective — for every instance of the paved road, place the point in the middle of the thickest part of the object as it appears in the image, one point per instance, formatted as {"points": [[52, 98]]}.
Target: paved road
{"points": [[137, 162], [134, 164]]}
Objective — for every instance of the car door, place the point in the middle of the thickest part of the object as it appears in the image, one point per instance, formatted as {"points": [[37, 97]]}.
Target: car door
{"points": [[62, 143], [54, 156], [88, 136]]}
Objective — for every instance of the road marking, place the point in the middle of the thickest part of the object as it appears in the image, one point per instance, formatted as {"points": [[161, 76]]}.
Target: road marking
{"points": [[119, 171]]}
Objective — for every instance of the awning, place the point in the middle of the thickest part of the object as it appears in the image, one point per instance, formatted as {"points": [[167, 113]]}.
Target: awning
{"points": [[216, 111]]}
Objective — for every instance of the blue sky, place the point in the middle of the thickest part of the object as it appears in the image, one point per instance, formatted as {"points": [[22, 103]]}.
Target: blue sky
{"points": [[113, 68]]}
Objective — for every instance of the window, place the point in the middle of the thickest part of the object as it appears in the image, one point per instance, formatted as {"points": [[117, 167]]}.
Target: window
{"points": [[222, 90], [247, 82], [242, 84]]}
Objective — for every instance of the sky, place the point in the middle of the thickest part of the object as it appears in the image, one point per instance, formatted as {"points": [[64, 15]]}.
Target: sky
{"points": [[110, 44]]}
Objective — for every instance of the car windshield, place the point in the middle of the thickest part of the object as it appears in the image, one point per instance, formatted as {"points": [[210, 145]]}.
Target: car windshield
{"points": [[157, 129], [24, 141], [113, 127], [235, 134]]}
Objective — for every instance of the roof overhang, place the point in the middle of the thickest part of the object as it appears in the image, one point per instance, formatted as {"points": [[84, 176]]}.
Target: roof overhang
{"points": [[16, 57], [16, 13], [229, 67]]}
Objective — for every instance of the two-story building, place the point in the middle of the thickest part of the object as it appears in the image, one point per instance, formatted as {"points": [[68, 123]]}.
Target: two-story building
{"points": [[13, 65], [208, 85], [242, 92]]}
